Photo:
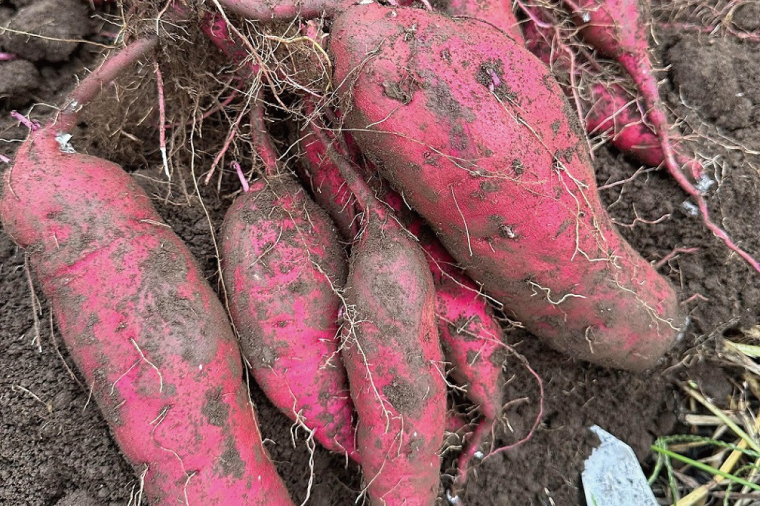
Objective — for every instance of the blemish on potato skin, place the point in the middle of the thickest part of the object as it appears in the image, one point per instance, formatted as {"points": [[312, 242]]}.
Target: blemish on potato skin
{"points": [[518, 167], [490, 186], [215, 409], [507, 232], [232, 464]]}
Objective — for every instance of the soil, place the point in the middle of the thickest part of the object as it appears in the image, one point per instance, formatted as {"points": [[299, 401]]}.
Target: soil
{"points": [[57, 450]]}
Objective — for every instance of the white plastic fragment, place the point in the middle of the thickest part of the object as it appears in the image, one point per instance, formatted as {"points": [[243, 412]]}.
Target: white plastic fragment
{"points": [[612, 475], [704, 183], [691, 209], [453, 500], [63, 143]]}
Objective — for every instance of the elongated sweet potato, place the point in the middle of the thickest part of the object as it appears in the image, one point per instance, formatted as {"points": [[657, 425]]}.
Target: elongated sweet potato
{"points": [[471, 338], [143, 326], [283, 266], [476, 134], [392, 356]]}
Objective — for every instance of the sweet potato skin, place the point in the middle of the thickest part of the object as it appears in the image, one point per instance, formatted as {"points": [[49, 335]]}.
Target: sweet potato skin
{"points": [[282, 265], [615, 27], [496, 12], [610, 113], [393, 359], [142, 325], [508, 184]]}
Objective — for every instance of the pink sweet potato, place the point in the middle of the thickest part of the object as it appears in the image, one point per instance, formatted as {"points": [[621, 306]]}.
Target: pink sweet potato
{"points": [[610, 110], [619, 29], [613, 112], [471, 338], [393, 358], [282, 266], [142, 325], [482, 145]]}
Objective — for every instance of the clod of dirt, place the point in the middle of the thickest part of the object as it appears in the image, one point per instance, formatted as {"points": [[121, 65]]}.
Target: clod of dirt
{"points": [[17, 79], [6, 13], [20, 4], [79, 498], [709, 79], [56, 19], [747, 17]]}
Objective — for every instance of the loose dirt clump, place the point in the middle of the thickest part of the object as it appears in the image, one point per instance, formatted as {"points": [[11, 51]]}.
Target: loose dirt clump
{"points": [[48, 20]]}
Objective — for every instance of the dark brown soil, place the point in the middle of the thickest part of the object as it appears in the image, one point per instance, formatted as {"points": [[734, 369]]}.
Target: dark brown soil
{"points": [[56, 449]]}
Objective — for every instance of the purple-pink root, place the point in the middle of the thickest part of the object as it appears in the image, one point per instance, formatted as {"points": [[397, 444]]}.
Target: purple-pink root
{"points": [[30, 124], [241, 176]]}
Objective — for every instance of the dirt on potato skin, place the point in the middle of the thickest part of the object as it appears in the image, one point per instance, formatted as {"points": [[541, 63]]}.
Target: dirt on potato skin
{"points": [[56, 449]]}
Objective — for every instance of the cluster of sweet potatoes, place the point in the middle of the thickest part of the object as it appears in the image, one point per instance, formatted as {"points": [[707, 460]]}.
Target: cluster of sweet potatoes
{"points": [[443, 179]]}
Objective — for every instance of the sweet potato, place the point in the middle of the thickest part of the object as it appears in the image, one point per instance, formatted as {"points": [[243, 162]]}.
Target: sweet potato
{"points": [[142, 325], [471, 338], [613, 113], [393, 357], [619, 29], [282, 265], [476, 134]]}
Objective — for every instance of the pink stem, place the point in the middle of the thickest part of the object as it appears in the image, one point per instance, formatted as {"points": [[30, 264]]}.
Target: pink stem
{"points": [[161, 118], [7, 56], [361, 190], [673, 254], [91, 85], [262, 142], [649, 91], [241, 176], [225, 146], [31, 125], [540, 414], [4, 159]]}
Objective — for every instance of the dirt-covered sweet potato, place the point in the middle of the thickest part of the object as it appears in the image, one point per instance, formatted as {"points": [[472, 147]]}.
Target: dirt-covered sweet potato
{"points": [[283, 266], [142, 325]]}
